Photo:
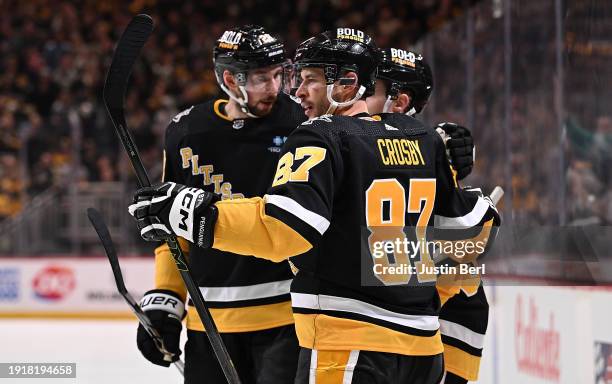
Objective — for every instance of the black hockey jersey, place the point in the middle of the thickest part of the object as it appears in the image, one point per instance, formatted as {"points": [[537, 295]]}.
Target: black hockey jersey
{"points": [[206, 149], [464, 318], [342, 183]]}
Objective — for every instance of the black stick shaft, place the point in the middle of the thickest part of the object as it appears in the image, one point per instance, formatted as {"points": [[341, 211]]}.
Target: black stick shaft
{"points": [[109, 248], [128, 48]]}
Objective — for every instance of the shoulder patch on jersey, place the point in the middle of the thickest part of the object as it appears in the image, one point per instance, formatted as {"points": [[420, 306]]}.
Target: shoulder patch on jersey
{"points": [[178, 117]]}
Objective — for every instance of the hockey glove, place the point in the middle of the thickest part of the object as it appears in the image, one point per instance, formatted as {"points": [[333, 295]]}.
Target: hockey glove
{"points": [[165, 310], [169, 208], [459, 147]]}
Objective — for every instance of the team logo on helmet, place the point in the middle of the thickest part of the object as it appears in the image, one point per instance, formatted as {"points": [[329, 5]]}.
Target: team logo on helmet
{"points": [[230, 40], [350, 34], [402, 57]]}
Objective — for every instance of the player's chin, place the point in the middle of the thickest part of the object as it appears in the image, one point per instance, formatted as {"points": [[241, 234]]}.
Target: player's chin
{"points": [[263, 108], [309, 111]]}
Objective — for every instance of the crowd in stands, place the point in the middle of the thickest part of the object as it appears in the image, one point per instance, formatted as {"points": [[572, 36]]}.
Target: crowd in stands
{"points": [[556, 149], [54, 56]]}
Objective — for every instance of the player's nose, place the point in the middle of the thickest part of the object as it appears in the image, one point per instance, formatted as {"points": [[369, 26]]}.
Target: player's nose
{"points": [[301, 91]]}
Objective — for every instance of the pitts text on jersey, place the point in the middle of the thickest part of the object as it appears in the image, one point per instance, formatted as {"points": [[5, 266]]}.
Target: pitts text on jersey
{"points": [[205, 149]]}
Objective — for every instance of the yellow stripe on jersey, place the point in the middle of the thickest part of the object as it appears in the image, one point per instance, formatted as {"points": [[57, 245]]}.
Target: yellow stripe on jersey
{"points": [[449, 285], [461, 363], [331, 366], [446, 291], [244, 228], [167, 275], [317, 331], [244, 319]]}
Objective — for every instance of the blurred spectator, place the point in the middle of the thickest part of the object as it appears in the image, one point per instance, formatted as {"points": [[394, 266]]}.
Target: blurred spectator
{"points": [[54, 54], [11, 186]]}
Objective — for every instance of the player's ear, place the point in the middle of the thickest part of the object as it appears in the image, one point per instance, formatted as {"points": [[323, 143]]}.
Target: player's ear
{"points": [[229, 80], [350, 84], [402, 104]]}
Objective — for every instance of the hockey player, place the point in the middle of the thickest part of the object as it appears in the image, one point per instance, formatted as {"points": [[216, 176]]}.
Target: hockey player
{"points": [[405, 82], [344, 182], [230, 148]]}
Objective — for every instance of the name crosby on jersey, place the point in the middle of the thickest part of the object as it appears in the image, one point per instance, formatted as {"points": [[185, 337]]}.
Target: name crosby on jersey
{"points": [[222, 188], [400, 152]]}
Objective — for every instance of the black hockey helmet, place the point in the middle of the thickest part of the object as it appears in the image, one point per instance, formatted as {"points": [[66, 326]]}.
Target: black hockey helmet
{"points": [[406, 71], [248, 47], [241, 49], [338, 51]]}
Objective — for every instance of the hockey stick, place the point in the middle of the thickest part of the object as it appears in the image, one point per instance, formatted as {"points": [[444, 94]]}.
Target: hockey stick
{"points": [[107, 242], [126, 52], [496, 194]]}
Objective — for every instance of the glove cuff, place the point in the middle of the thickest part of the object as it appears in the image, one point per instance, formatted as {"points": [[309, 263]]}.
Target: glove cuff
{"points": [[163, 300], [206, 226]]}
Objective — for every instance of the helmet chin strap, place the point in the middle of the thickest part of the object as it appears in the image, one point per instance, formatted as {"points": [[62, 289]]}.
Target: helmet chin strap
{"points": [[411, 112], [242, 102], [334, 105], [387, 106]]}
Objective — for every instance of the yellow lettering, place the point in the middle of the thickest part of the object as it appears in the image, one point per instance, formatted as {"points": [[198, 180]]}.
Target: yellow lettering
{"points": [[194, 165], [400, 152], [217, 179], [226, 190], [416, 145], [186, 154], [406, 152], [381, 144], [390, 151], [415, 159], [397, 147], [206, 170]]}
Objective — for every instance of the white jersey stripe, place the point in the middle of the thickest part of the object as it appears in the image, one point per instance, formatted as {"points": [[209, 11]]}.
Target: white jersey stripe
{"points": [[312, 378], [350, 367], [459, 332], [311, 218], [465, 221], [344, 304], [246, 292]]}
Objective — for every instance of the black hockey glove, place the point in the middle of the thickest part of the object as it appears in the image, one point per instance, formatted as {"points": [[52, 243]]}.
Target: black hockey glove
{"points": [[459, 147], [165, 309], [174, 208]]}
